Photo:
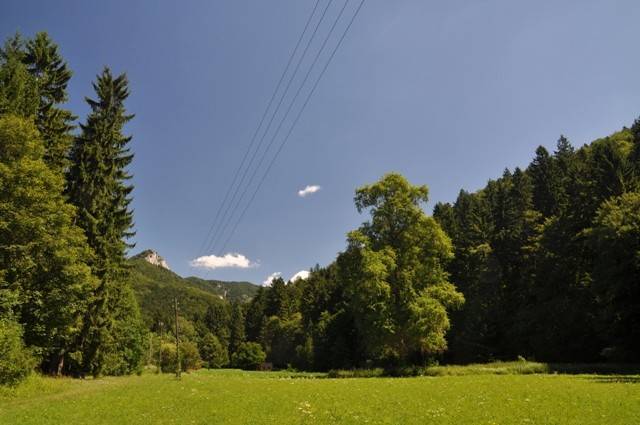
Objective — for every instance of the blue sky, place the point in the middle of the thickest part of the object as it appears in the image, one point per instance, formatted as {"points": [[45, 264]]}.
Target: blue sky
{"points": [[447, 93]]}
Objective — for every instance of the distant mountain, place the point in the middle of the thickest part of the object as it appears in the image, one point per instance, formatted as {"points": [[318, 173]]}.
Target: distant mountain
{"points": [[156, 286], [150, 256]]}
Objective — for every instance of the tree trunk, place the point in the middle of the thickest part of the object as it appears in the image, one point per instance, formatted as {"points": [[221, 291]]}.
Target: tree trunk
{"points": [[60, 364]]}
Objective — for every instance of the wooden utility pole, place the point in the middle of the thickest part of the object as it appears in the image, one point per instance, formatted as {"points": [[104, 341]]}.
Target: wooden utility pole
{"points": [[160, 349], [175, 308], [150, 356]]}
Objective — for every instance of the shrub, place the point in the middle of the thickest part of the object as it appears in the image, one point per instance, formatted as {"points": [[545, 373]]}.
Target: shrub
{"points": [[16, 362], [189, 357], [249, 356]]}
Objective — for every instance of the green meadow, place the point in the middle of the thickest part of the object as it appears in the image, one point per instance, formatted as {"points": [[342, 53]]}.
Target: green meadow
{"points": [[236, 397]]}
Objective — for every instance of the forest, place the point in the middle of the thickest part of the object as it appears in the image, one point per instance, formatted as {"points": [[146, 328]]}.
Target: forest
{"points": [[542, 263]]}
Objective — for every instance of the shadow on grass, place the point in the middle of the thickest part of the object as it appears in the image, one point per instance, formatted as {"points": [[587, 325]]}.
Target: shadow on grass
{"points": [[594, 368], [614, 379]]}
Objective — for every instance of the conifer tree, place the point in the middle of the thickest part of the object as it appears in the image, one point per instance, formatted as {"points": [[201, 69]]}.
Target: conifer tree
{"points": [[18, 88], [98, 186], [547, 183], [237, 335], [634, 157], [52, 75]]}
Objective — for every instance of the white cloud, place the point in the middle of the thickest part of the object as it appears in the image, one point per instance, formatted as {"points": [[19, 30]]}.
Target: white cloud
{"points": [[230, 260], [308, 190], [269, 280], [302, 274]]}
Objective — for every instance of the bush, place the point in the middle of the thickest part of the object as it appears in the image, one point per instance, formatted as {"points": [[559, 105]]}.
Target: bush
{"points": [[249, 356], [189, 357], [16, 361]]}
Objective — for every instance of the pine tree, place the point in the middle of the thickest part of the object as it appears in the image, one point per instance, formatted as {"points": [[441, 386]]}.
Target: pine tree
{"points": [[255, 316], [217, 319], [634, 157], [547, 183], [237, 335], [473, 269], [52, 75], [97, 185], [278, 299]]}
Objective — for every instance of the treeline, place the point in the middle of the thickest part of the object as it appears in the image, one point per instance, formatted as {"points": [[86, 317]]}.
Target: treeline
{"points": [[548, 258], [544, 262], [66, 304]]}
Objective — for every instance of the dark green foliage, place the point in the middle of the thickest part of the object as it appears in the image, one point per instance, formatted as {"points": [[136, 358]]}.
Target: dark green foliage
{"points": [[616, 238], [52, 75], [16, 362], [548, 272], [255, 316], [212, 352], [123, 348], [548, 196], [281, 338], [249, 356], [236, 327], [97, 186]]}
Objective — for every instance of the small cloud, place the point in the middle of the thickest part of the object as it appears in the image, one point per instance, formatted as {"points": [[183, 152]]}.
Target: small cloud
{"points": [[230, 260], [269, 280], [308, 190], [302, 274]]}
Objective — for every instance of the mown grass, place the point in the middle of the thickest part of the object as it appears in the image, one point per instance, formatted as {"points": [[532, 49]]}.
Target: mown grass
{"points": [[236, 397]]}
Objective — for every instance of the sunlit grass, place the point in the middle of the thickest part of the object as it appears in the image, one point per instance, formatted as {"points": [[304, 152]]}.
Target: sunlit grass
{"points": [[236, 397]]}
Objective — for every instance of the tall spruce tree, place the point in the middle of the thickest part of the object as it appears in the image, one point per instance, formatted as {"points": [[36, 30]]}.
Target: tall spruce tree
{"points": [[547, 183], [236, 331], [98, 187], [634, 157], [52, 75]]}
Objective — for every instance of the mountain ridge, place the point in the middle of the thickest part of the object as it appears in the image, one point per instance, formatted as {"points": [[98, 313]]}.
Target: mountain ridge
{"points": [[156, 286]]}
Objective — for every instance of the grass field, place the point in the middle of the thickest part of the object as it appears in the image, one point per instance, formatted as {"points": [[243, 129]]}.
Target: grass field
{"points": [[235, 397]]}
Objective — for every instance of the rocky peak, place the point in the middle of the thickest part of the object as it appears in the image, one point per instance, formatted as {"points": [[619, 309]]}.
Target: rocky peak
{"points": [[154, 258]]}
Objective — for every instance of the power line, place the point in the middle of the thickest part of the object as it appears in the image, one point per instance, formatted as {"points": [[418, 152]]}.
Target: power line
{"points": [[225, 220], [264, 115], [286, 114], [284, 141]]}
